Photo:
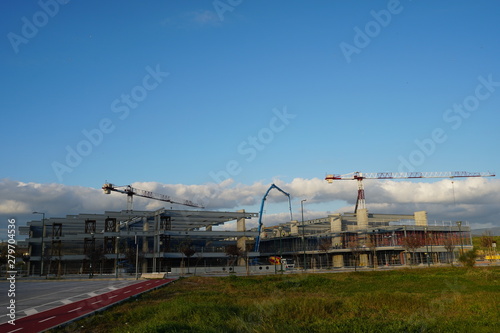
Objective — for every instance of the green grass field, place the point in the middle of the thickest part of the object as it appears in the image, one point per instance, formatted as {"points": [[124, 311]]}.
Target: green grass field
{"points": [[409, 300]]}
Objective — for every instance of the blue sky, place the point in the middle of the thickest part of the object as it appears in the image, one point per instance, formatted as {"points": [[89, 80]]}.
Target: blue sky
{"points": [[193, 92]]}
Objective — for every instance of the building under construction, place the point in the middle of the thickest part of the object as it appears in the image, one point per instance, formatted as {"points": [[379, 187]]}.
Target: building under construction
{"points": [[365, 239], [166, 240], [127, 241], [152, 241]]}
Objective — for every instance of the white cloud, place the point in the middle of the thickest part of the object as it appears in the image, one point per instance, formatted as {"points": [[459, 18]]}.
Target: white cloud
{"points": [[204, 17], [192, 19], [474, 200]]}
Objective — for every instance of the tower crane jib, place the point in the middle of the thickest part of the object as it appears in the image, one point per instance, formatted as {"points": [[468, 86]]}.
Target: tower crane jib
{"points": [[131, 191], [359, 176]]}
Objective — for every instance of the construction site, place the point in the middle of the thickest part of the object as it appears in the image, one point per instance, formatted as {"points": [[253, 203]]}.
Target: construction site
{"points": [[128, 242]]}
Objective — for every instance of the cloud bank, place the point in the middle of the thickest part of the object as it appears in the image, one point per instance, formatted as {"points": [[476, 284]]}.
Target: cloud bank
{"points": [[473, 199]]}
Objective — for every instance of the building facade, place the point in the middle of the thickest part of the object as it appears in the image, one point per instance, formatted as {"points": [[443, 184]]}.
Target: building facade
{"points": [[365, 239], [120, 242], [129, 242]]}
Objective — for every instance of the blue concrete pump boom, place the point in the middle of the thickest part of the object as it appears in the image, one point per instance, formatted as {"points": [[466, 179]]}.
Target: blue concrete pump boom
{"points": [[257, 240]]}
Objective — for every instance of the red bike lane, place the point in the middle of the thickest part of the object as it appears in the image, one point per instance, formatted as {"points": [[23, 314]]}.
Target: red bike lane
{"points": [[42, 321]]}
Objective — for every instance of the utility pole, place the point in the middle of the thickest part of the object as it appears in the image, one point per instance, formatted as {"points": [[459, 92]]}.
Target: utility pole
{"points": [[117, 247], [427, 247], [43, 244], [459, 224], [303, 233], [136, 258], [281, 253]]}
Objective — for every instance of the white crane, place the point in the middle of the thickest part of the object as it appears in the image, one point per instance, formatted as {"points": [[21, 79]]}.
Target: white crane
{"points": [[360, 202], [131, 191]]}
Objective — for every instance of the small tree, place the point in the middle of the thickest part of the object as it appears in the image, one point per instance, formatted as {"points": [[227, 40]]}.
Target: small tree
{"points": [[372, 245], [449, 245], [96, 255], [4, 251], [186, 249], [234, 252], [132, 253], [47, 260], [486, 241], [411, 243], [356, 250], [324, 245]]}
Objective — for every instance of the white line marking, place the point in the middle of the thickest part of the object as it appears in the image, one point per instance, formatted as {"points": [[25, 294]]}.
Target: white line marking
{"points": [[138, 288], [128, 291], [29, 312], [41, 321], [96, 302], [75, 309], [66, 301], [112, 296], [17, 329]]}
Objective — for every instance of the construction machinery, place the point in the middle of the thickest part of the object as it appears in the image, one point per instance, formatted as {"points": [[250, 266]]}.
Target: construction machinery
{"points": [[273, 186], [277, 260], [131, 191], [360, 201]]}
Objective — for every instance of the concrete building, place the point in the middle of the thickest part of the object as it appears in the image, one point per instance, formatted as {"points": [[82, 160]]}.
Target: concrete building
{"points": [[114, 242], [166, 240], [365, 239]]}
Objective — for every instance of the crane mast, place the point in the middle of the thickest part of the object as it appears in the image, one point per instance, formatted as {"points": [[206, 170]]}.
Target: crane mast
{"points": [[359, 176], [131, 191]]}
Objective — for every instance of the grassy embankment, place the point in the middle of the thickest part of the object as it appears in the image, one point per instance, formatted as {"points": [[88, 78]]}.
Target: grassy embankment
{"points": [[410, 300]]}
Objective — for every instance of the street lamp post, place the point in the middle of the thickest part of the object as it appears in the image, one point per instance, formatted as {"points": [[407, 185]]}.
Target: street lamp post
{"points": [[281, 256], [136, 258], [43, 245], [459, 224], [427, 247], [303, 233], [432, 253], [92, 256], [117, 255]]}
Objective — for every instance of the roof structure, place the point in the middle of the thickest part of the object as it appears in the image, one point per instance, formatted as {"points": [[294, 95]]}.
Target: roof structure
{"points": [[179, 220]]}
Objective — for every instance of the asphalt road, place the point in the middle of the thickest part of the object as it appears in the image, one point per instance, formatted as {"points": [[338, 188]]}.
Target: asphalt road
{"points": [[40, 305]]}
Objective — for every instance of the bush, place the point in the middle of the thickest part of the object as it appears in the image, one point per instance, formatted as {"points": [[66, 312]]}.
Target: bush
{"points": [[468, 259]]}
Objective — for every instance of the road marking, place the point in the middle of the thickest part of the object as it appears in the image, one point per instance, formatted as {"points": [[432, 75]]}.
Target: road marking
{"points": [[41, 321], [29, 312], [92, 294], [17, 329], [138, 288], [128, 291], [66, 301], [96, 302], [75, 309], [112, 296]]}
